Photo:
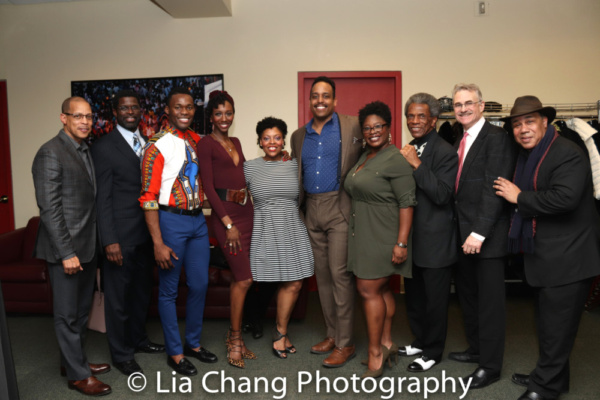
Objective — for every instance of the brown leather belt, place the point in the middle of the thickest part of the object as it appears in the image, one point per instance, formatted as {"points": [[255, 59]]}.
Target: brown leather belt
{"points": [[235, 196]]}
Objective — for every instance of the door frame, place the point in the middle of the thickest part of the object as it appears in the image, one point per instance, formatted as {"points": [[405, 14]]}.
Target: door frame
{"points": [[395, 76], [5, 163]]}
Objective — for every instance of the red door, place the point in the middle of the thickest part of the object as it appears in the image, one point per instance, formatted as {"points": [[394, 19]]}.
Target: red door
{"points": [[7, 215], [353, 90]]}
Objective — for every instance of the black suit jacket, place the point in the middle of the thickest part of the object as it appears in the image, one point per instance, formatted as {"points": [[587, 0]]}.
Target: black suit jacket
{"points": [[567, 238], [478, 209], [118, 175], [65, 192], [433, 220]]}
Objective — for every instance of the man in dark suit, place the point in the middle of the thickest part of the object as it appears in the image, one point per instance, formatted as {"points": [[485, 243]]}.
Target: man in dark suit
{"points": [[124, 237], [435, 163], [326, 148], [556, 227], [65, 188], [485, 153]]}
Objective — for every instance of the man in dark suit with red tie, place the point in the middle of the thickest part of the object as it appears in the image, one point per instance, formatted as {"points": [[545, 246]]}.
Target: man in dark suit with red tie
{"points": [[124, 237], [485, 153], [556, 226]]}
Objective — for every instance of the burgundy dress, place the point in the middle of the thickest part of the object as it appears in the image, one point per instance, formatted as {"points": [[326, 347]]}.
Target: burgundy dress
{"points": [[219, 172]]}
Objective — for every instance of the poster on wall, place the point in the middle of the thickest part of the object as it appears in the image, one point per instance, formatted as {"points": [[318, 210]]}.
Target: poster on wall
{"points": [[153, 94]]}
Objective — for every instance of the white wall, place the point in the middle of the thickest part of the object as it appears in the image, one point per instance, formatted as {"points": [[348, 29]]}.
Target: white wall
{"points": [[549, 48]]}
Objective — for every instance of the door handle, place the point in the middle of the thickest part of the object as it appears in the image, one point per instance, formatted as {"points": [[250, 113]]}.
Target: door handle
{"points": [[4, 199]]}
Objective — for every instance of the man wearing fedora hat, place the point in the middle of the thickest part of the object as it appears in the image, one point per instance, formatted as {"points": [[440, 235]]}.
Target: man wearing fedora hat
{"points": [[556, 227]]}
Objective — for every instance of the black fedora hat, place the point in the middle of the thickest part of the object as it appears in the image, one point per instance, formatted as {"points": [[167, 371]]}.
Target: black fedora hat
{"points": [[530, 104]]}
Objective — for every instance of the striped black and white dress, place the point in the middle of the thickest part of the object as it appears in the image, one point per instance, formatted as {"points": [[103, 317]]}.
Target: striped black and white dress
{"points": [[280, 250]]}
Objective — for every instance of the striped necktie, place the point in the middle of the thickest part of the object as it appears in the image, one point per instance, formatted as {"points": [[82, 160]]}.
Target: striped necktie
{"points": [[137, 146]]}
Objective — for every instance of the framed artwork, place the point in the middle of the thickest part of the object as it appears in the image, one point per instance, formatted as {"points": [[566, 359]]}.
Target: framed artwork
{"points": [[153, 94]]}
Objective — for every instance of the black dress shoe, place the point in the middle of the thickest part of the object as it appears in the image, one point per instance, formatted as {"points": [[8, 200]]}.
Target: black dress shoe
{"points": [[203, 355], [464, 357], [528, 395], [128, 367], [151, 348], [184, 367], [482, 378], [520, 379], [422, 364]]}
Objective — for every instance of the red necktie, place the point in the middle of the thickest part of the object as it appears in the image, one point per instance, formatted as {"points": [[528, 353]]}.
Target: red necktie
{"points": [[461, 158]]}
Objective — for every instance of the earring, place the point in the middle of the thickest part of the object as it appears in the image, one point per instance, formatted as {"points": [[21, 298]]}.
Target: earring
{"points": [[390, 137], [364, 143]]}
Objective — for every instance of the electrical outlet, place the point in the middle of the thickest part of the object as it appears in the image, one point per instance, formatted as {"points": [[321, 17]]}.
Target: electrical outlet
{"points": [[482, 8]]}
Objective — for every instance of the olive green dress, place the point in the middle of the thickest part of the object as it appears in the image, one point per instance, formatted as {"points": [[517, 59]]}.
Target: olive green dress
{"points": [[383, 186]]}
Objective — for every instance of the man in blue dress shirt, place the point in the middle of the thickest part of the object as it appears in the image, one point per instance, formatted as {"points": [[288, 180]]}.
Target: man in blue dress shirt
{"points": [[326, 148]]}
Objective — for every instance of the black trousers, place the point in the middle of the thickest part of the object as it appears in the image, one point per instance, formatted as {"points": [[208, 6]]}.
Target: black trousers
{"points": [[482, 295], [427, 296], [558, 312], [127, 298]]}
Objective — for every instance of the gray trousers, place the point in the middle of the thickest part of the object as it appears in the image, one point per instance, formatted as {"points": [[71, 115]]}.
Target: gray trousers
{"points": [[328, 233], [72, 298]]}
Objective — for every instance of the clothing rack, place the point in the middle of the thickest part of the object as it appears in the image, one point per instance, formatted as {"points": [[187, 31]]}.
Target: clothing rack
{"points": [[563, 111]]}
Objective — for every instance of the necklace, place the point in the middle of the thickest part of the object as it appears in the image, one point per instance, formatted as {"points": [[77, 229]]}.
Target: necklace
{"points": [[223, 143]]}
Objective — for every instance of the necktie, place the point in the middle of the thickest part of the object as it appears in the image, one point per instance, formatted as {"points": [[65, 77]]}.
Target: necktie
{"points": [[420, 149], [461, 158], [137, 146]]}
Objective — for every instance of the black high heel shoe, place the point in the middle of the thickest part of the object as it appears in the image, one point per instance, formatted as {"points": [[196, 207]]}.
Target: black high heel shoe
{"points": [[277, 336]]}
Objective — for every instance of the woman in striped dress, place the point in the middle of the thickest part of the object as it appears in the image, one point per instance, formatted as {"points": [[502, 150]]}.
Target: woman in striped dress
{"points": [[280, 249]]}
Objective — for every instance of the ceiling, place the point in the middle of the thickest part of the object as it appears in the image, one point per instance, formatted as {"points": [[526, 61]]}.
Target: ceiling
{"points": [[175, 8]]}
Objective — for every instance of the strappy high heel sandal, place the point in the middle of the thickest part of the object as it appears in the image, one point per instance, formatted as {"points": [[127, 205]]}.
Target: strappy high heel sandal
{"points": [[232, 347], [385, 354], [277, 336]]}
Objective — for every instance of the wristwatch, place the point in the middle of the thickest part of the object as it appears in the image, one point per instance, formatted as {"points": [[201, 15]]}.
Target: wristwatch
{"points": [[228, 226], [403, 245]]}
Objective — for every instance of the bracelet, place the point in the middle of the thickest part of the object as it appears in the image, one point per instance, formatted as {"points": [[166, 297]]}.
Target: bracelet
{"points": [[402, 245]]}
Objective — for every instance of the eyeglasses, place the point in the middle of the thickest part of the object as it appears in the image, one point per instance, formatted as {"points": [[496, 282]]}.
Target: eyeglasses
{"points": [[79, 117], [127, 108], [468, 104], [375, 128]]}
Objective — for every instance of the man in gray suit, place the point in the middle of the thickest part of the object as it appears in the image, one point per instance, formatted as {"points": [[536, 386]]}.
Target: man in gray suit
{"points": [[65, 188], [326, 148]]}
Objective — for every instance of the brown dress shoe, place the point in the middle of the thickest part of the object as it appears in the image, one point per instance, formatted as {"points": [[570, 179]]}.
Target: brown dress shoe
{"points": [[90, 386], [96, 369], [339, 357], [323, 347]]}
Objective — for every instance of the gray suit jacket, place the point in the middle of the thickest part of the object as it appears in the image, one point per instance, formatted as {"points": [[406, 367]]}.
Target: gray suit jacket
{"points": [[65, 195], [351, 136]]}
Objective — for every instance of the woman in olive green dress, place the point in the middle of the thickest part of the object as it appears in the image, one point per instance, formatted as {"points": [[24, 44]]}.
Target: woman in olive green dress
{"points": [[383, 195]]}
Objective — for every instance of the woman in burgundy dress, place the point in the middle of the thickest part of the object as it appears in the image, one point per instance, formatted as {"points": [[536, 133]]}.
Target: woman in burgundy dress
{"points": [[222, 170]]}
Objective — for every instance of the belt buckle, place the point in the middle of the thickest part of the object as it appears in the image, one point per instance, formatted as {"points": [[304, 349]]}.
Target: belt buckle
{"points": [[245, 191]]}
